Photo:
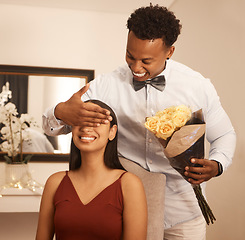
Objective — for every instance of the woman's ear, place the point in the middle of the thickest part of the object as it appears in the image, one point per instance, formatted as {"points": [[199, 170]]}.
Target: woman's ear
{"points": [[113, 132]]}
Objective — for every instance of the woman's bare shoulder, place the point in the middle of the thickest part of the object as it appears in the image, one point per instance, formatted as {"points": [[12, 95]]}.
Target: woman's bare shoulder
{"points": [[133, 194], [57, 176], [130, 181], [54, 180]]}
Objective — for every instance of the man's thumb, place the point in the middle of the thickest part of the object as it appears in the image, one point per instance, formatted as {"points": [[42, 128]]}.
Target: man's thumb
{"points": [[83, 89]]}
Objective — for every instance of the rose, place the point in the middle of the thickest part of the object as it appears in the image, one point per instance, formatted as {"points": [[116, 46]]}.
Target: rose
{"points": [[166, 122], [151, 124], [167, 113], [183, 109], [179, 119], [165, 129], [181, 115]]}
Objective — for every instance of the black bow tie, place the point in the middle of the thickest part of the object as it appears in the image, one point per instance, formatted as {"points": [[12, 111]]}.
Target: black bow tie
{"points": [[156, 82]]}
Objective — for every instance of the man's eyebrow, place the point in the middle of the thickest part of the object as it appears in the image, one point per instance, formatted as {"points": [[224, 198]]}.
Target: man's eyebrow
{"points": [[147, 58], [141, 59]]}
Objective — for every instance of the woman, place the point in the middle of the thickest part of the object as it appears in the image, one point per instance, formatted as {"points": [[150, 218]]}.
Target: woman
{"points": [[97, 198]]}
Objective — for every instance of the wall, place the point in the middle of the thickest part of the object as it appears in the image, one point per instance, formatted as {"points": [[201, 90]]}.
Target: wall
{"points": [[62, 38], [212, 42]]}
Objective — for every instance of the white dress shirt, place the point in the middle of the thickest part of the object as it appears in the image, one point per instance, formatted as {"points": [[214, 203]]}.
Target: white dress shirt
{"points": [[135, 142]]}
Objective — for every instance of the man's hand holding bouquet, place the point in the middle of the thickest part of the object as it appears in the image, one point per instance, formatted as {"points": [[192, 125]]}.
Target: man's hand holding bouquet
{"points": [[181, 134]]}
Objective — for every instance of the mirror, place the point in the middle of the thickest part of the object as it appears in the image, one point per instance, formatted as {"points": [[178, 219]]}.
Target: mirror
{"points": [[46, 87]]}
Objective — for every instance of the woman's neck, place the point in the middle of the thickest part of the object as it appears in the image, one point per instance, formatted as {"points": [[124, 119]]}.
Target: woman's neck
{"points": [[92, 165]]}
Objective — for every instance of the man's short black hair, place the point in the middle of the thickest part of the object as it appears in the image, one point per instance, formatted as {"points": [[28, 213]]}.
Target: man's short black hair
{"points": [[154, 22]]}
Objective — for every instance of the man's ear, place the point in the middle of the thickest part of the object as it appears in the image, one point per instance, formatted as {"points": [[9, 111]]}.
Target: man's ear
{"points": [[170, 51], [113, 132]]}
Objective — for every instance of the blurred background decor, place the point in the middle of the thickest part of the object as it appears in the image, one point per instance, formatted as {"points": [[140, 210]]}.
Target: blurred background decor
{"points": [[14, 135]]}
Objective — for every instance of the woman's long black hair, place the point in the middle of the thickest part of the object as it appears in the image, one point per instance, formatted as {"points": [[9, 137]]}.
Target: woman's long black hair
{"points": [[110, 156]]}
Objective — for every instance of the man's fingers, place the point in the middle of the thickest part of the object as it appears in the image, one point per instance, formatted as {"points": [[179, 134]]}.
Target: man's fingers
{"points": [[198, 170], [95, 111], [195, 178], [91, 122], [198, 161], [195, 182], [83, 89], [94, 119]]}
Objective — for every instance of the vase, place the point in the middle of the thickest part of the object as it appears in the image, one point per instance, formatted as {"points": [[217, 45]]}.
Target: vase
{"points": [[17, 175]]}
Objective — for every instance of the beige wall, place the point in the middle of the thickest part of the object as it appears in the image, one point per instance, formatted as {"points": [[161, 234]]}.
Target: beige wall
{"points": [[212, 42], [62, 38]]}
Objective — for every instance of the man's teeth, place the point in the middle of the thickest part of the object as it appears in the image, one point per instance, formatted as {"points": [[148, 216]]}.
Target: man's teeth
{"points": [[139, 74], [87, 138]]}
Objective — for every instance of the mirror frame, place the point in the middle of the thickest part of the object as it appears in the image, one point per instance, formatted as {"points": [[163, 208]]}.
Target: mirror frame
{"points": [[46, 71]]}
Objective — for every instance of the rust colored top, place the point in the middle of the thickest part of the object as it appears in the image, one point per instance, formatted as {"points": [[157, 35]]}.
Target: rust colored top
{"points": [[100, 219]]}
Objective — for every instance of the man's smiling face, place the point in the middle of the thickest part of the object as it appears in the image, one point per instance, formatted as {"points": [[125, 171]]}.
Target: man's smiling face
{"points": [[146, 58]]}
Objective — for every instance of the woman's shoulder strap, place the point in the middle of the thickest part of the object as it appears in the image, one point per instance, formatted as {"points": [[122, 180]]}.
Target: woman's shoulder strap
{"points": [[122, 174]]}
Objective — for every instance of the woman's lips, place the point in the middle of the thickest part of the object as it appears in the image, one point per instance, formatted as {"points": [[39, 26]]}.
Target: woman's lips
{"points": [[87, 139]]}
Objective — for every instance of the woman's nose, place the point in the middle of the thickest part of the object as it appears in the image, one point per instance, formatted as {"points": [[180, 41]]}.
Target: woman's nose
{"points": [[86, 129]]}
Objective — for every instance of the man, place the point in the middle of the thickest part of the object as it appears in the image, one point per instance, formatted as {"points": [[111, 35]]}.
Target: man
{"points": [[152, 33]]}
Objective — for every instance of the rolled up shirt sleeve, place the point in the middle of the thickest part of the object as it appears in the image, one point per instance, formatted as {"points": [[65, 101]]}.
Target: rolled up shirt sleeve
{"points": [[52, 126]]}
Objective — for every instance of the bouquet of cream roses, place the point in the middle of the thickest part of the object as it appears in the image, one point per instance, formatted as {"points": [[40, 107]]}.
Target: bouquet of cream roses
{"points": [[181, 133]]}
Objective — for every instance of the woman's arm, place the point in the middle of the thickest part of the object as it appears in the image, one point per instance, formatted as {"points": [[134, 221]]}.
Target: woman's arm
{"points": [[135, 208], [45, 229]]}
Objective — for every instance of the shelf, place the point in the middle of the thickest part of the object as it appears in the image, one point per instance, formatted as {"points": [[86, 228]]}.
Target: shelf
{"points": [[16, 200], [19, 200]]}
